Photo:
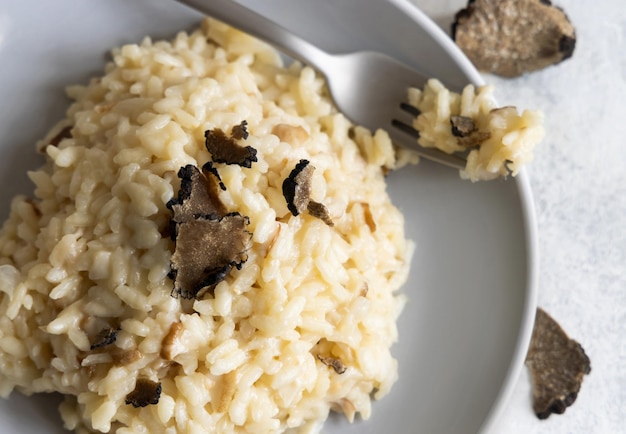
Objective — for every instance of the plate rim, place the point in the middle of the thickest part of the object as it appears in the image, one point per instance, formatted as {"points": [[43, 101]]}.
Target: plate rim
{"points": [[529, 218]]}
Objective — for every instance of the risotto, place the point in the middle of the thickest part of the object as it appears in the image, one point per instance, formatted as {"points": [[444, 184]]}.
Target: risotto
{"points": [[298, 322], [210, 246], [498, 141]]}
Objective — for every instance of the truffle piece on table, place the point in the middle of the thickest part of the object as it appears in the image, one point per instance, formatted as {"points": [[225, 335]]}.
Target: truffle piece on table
{"points": [[512, 37], [557, 365]]}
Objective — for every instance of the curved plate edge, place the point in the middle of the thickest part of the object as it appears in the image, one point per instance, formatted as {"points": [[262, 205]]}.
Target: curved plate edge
{"points": [[530, 223]]}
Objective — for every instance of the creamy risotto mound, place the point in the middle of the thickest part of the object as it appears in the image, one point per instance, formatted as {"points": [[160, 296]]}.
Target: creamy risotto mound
{"points": [[99, 297]]}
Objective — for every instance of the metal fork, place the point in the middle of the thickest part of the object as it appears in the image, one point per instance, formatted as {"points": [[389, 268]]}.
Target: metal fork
{"points": [[369, 88]]}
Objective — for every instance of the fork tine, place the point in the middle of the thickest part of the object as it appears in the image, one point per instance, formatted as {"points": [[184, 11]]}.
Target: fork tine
{"points": [[404, 134], [410, 109], [408, 129], [403, 117]]}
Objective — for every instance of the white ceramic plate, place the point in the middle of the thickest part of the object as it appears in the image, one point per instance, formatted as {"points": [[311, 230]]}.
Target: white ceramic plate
{"points": [[464, 333]]}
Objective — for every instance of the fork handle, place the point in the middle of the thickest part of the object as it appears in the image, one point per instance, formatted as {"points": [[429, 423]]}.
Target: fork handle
{"points": [[249, 21]]}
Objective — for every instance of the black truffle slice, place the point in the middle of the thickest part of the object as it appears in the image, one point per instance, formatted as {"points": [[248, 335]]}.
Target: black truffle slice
{"points": [[466, 132], [320, 211], [297, 187], [297, 193], [462, 126], [146, 392], [207, 248], [209, 242], [106, 337], [225, 149], [240, 132], [198, 195], [334, 363], [511, 37], [557, 365]]}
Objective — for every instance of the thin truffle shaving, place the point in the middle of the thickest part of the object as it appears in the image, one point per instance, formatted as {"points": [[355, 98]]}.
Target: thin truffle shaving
{"points": [[146, 392], [297, 192], [225, 149]]}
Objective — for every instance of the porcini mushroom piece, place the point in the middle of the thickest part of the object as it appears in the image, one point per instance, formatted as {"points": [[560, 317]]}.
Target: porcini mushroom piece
{"points": [[226, 150], [291, 134], [171, 345], [557, 365], [146, 392], [126, 357], [229, 386], [511, 37]]}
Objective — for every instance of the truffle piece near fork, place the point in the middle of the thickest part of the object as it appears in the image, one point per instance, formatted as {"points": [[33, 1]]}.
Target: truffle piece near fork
{"points": [[512, 37], [465, 130], [207, 249], [557, 365]]}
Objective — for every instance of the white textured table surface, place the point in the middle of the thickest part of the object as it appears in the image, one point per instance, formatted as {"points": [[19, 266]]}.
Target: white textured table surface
{"points": [[579, 183]]}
